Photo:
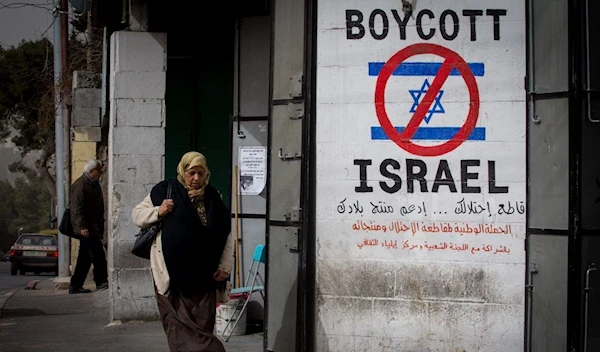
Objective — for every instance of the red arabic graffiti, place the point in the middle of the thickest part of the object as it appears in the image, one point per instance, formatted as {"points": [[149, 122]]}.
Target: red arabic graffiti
{"points": [[434, 227], [443, 246]]}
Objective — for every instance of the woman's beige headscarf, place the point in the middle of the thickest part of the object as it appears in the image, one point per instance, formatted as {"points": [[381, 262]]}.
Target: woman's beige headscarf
{"points": [[189, 160]]}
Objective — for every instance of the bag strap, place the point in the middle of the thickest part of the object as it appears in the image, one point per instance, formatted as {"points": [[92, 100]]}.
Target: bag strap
{"points": [[169, 190], [168, 196]]}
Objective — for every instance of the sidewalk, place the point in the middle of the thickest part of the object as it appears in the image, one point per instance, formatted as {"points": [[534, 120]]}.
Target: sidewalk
{"points": [[52, 320]]}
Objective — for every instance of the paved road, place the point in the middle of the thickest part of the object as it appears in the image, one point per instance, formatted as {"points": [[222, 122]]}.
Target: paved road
{"points": [[8, 282], [46, 319]]}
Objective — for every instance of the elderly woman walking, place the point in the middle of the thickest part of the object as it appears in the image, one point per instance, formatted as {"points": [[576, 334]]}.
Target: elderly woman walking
{"points": [[191, 257]]}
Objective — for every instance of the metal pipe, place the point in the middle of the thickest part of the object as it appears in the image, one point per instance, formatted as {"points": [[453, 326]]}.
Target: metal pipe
{"points": [[529, 323], [64, 33], [238, 69], [237, 282], [586, 292], [588, 84], [531, 111], [235, 119], [530, 66], [66, 142], [104, 75], [63, 255]]}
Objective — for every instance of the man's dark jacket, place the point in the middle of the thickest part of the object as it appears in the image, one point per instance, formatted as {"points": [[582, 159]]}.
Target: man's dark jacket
{"points": [[87, 206]]}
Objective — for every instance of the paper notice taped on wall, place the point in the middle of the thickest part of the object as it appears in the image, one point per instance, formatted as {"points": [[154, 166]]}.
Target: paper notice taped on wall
{"points": [[253, 170]]}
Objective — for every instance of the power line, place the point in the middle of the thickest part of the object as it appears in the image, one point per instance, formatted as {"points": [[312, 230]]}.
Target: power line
{"points": [[20, 5], [50, 26]]}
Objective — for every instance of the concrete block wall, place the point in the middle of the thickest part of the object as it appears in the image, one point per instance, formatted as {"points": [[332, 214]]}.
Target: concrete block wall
{"points": [[136, 149], [85, 117], [86, 133]]}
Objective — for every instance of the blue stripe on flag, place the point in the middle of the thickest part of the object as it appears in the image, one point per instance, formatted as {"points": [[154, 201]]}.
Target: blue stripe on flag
{"points": [[432, 133], [424, 69]]}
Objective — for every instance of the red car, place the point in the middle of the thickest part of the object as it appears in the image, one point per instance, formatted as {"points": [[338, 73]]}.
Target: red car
{"points": [[34, 252]]}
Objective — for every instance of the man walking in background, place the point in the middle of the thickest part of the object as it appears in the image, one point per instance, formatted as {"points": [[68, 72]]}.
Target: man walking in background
{"points": [[87, 216]]}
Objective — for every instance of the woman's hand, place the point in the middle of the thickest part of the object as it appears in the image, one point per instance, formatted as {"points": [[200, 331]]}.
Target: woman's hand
{"points": [[220, 275], [166, 207]]}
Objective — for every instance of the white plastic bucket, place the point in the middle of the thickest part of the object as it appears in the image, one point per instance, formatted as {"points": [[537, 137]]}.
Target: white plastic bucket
{"points": [[224, 314]]}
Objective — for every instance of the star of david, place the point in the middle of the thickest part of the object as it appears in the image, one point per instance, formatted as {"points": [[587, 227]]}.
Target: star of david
{"points": [[436, 106]]}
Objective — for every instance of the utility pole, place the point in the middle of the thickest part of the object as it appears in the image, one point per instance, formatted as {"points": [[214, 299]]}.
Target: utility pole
{"points": [[64, 48], [63, 243], [88, 33]]}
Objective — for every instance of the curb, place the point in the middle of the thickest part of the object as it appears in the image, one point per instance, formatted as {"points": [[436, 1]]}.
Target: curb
{"points": [[5, 297], [31, 285], [61, 283]]}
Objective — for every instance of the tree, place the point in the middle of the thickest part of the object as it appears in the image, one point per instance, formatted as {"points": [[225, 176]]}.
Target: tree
{"points": [[31, 204], [7, 214], [27, 103], [27, 204]]}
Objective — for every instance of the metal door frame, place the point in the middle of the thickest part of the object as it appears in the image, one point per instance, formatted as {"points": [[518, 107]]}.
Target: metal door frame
{"points": [[306, 310], [574, 94], [574, 284], [305, 334], [268, 178]]}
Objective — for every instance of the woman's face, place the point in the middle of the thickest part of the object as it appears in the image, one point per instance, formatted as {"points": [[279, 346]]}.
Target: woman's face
{"points": [[194, 177]]}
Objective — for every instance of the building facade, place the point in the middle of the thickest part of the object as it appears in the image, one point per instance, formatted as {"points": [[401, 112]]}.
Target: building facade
{"points": [[431, 177]]}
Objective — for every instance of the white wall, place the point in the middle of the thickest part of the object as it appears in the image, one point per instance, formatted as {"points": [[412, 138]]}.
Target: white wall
{"points": [[443, 267], [136, 162]]}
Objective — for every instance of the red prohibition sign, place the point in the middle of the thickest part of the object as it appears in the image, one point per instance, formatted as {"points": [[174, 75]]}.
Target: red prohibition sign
{"points": [[452, 60]]}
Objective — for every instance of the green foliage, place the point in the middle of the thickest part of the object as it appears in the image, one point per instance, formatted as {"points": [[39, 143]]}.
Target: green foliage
{"points": [[27, 88], [7, 214], [26, 94], [26, 205]]}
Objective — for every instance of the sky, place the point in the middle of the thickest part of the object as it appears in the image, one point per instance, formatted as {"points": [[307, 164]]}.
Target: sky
{"points": [[24, 19], [21, 20]]}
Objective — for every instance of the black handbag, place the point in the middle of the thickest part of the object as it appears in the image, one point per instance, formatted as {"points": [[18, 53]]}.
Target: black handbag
{"points": [[66, 227], [145, 238]]}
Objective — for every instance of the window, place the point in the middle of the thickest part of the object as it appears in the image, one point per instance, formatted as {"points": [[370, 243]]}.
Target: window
{"points": [[37, 240]]}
